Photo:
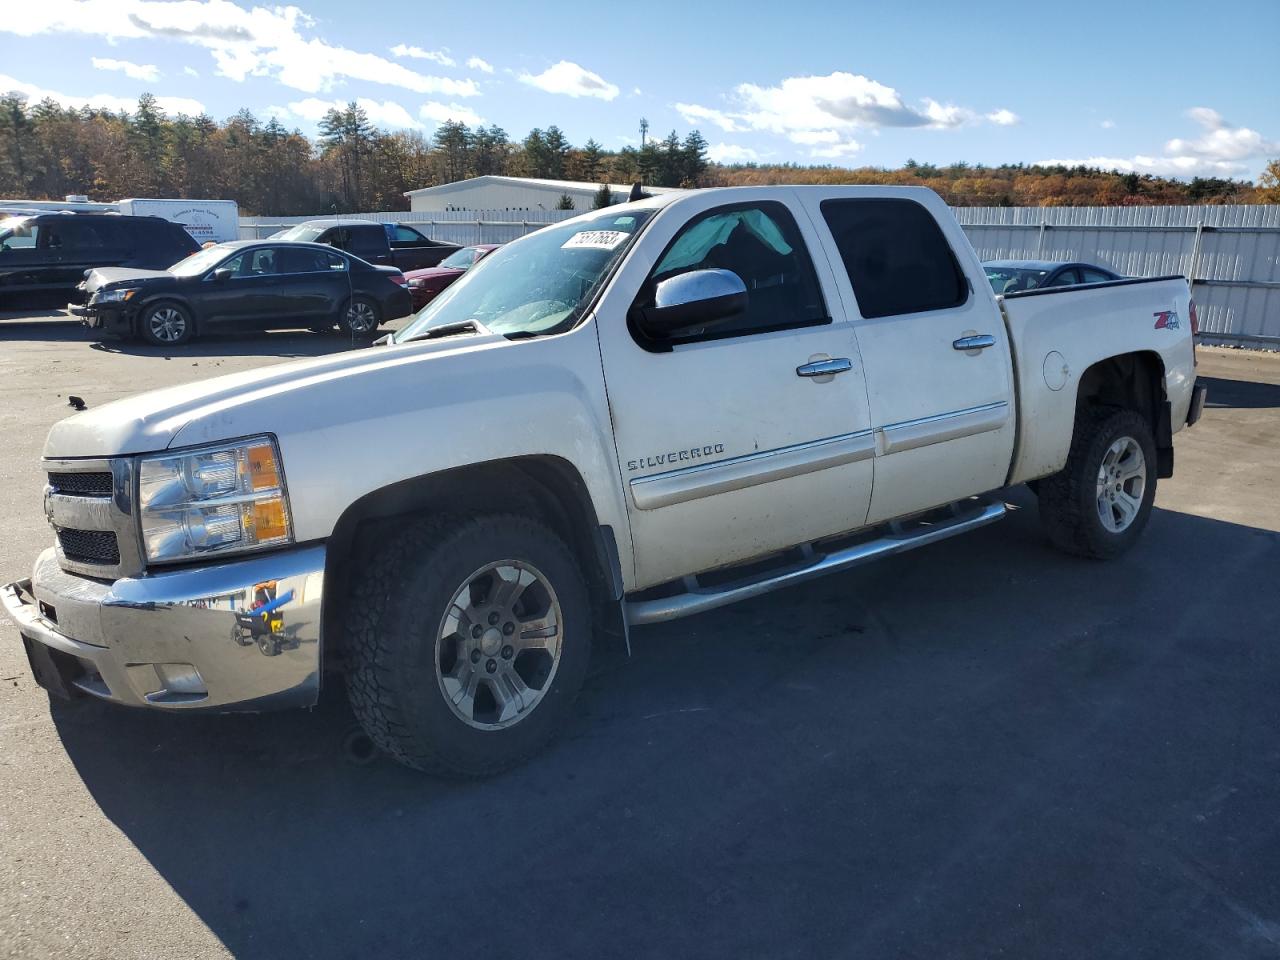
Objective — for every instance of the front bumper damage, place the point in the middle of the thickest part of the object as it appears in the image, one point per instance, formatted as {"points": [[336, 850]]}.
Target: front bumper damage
{"points": [[113, 319], [240, 635]]}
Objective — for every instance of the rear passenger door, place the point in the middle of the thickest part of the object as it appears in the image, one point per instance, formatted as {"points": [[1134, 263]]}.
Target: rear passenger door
{"points": [[731, 444], [934, 346], [310, 286]]}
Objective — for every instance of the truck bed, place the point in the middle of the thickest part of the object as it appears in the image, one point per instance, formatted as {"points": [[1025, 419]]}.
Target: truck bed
{"points": [[1059, 332]]}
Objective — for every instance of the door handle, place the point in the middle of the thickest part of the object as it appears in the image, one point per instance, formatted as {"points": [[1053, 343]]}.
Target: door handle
{"points": [[977, 342], [824, 368]]}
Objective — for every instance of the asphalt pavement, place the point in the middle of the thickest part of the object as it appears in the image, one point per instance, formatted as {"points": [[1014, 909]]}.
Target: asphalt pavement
{"points": [[984, 748]]}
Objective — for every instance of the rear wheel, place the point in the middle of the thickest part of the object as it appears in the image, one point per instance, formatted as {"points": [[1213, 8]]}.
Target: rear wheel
{"points": [[360, 317], [166, 324], [1099, 503], [468, 640]]}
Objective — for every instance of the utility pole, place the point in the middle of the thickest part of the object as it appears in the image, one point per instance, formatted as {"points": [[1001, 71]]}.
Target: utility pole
{"points": [[644, 131]]}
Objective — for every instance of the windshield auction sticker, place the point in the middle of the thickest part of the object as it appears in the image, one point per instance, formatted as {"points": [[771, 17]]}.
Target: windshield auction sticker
{"points": [[595, 240]]}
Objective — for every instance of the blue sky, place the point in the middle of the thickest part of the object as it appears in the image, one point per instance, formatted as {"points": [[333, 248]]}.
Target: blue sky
{"points": [[1173, 87]]}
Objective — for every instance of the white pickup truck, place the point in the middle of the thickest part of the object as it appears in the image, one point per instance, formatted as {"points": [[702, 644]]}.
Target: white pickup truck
{"points": [[643, 413]]}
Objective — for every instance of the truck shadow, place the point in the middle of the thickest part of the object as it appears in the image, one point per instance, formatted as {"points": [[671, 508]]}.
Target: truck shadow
{"points": [[859, 760], [1242, 394]]}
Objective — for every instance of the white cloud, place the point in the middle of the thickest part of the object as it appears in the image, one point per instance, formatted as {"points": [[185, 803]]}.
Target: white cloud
{"points": [[821, 111], [98, 101], [137, 71], [191, 71], [692, 113], [1222, 150], [1107, 124], [243, 41], [837, 151], [731, 153], [812, 137], [439, 113], [572, 80], [384, 113], [476, 63], [1221, 141], [435, 56]]}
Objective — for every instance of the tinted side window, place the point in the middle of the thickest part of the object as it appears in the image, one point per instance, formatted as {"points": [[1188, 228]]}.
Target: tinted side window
{"points": [[367, 238], [401, 234], [69, 236], [896, 256], [1093, 276], [761, 243], [254, 263], [1064, 278]]}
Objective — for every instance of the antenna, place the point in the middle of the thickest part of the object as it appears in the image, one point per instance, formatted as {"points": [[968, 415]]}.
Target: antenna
{"points": [[644, 131]]}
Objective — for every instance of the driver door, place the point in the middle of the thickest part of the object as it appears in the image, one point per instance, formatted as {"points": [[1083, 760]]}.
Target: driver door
{"points": [[728, 446]]}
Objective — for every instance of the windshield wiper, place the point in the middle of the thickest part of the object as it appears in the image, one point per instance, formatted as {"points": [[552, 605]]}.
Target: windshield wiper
{"points": [[449, 330]]}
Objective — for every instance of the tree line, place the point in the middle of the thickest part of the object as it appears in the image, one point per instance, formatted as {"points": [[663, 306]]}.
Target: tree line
{"points": [[48, 151]]}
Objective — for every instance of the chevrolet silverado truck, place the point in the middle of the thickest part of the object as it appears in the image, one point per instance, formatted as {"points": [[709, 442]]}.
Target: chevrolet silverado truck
{"points": [[640, 414]]}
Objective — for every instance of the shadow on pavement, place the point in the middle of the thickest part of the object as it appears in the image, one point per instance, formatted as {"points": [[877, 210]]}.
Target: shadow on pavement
{"points": [[981, 748], [1243, 394]]}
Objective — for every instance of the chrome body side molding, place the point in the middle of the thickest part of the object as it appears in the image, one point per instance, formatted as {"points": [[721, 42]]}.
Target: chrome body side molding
{"points": [[947, 426], [896, 537], [707, 479]]}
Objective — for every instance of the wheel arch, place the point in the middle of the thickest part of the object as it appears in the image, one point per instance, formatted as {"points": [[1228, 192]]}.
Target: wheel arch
{"points": [[1133, 381], [547, 488]]}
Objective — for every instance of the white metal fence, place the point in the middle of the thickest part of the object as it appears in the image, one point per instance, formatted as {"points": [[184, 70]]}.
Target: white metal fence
{"points": [[1231, 252]]}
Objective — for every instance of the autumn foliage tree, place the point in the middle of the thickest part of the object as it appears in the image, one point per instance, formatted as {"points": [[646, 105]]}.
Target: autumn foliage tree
{"points": [[48, 151]]}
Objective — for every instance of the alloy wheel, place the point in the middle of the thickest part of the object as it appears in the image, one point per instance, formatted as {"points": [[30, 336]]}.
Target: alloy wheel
{"points": [[167, 324], [1122, 481], [498, 645]]}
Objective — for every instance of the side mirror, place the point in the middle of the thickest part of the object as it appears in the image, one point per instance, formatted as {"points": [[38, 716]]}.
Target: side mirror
{"points": [[693, 300], [223, 273]]}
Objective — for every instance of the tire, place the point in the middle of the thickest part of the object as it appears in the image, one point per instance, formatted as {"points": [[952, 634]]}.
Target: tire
{"points": [[359, 318], [1099, 503], [410, 652], [166, 324]]}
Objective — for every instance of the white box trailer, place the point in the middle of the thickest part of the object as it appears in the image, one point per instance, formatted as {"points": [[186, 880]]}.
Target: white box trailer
{"points": [[216, 220]]}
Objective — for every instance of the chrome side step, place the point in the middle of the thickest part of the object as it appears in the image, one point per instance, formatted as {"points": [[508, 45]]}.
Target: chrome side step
{"points": [[899, 537]]}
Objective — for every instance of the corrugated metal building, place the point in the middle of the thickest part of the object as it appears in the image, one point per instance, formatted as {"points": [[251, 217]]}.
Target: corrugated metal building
{"points": [[513, 194]]}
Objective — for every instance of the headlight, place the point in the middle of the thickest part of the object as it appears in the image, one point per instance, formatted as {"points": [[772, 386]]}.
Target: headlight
{"points": [[109, 296], [213, 500]]}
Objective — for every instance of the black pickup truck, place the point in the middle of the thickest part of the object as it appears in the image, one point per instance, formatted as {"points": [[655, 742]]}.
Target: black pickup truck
{"points": [[391, 244]]}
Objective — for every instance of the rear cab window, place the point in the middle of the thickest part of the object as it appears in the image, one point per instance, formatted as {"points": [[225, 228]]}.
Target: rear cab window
{"points": [[896, 256]]}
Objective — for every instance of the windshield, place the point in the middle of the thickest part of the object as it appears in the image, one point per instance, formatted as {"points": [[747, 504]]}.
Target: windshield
{"points": [[538, 285], [301, 232], [461, 259], [199, 262], [1014, 279]]}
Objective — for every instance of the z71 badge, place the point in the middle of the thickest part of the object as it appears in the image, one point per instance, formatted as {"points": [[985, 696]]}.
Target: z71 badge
{"points": [[1166, 320]]}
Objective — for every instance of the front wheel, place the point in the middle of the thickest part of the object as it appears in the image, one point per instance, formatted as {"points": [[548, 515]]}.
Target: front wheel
{"points": [[360, 318], [1099, 503], [166, 325], [468, 641]]}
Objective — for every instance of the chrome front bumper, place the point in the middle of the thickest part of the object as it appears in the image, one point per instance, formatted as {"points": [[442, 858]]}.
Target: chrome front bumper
{"points": [[238, 635]]}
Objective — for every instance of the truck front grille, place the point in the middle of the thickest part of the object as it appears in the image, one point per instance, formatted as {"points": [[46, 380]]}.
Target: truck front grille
{"points": [[81, 484], [90, 546]]}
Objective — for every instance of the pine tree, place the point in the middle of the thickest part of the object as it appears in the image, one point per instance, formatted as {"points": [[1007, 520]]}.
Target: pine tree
{"points": [[602, 198], [565, 202]]}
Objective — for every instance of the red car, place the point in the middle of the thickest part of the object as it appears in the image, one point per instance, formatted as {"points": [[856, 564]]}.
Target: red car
{"points": [[426, 284]]}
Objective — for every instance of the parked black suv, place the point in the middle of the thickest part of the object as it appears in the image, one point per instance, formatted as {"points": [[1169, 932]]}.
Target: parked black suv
{"points": [[390, 244], [50, 252]]}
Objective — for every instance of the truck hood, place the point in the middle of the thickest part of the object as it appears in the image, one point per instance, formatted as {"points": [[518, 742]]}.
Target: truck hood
{"points": [[269, 400], [104, 276]]}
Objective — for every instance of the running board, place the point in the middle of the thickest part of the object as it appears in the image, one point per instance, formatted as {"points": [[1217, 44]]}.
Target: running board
{"points": [[899, 537]]}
